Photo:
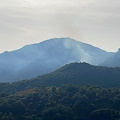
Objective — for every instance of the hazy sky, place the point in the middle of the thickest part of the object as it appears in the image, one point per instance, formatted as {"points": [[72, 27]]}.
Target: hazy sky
{"points": [[95, 22]]}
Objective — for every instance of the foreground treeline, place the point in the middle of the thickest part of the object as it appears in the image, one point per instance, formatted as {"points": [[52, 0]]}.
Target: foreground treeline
{"points": [[67, 102]]}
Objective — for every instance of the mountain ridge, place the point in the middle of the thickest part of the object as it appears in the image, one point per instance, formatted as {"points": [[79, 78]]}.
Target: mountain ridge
{"points": [[47, 56], [74, 73]]}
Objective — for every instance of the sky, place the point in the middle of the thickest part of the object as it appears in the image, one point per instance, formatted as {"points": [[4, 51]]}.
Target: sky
{"points": [[96, 22]]}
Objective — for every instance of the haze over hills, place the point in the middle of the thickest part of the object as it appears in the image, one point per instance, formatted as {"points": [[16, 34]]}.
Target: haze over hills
{"points": [[113, 61], [45, 57]]}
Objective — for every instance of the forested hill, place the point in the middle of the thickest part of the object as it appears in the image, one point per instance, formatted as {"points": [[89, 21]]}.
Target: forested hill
{"points": [[80, 74], [74, 73]]}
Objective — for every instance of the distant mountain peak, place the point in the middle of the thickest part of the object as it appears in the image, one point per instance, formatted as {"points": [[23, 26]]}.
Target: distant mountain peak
{"points": [[44, 57]]}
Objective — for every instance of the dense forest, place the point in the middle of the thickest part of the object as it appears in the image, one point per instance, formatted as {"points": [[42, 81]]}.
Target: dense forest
{"points": [[66, 102], [77, 91]]}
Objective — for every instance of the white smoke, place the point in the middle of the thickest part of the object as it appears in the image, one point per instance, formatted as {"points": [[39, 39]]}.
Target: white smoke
{"points": [[77, 50]]}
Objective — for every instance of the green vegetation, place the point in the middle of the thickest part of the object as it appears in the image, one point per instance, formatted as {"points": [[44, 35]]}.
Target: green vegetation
{"points": [[67, 102], [55, 96], [74, 73]]}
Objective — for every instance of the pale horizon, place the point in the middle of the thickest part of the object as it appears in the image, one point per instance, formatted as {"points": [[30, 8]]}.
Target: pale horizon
{"points": [[50, 39], [95, 22]]}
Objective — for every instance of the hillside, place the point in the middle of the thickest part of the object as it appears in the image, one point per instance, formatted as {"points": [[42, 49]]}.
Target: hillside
{"points": [[74, 73], [80, 74], [47, 56]]}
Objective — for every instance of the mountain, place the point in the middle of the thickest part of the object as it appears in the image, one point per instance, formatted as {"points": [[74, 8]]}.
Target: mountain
{"points": [[46, 56], [80, 74], [112, 61], [74, 73]]}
